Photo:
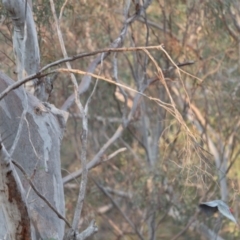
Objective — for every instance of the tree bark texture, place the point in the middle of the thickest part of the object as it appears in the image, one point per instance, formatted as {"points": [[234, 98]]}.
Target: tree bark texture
{"points": [[32, 133], [25, 41]]}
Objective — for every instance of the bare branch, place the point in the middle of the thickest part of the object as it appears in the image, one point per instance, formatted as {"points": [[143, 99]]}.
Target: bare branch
{"points": [[91, 230], [83, 185], [97, 158], [84, 85], [118, 192], [119, 209], [40, 74], [124, 94], [40, 195], [62, 9]]}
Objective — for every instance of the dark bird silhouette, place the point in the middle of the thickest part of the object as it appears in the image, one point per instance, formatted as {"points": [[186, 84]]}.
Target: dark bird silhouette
{"points": [[217, 206]]}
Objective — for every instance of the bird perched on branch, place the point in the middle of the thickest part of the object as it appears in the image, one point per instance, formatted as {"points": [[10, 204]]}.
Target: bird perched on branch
{"points": [[217, 206]]}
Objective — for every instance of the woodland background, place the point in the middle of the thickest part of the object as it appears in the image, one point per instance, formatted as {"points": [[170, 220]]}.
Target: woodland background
{"points": [[182, 143]]}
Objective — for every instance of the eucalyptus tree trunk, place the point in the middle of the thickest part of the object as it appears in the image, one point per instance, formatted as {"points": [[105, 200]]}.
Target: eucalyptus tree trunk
{"points": [[31, 133]]}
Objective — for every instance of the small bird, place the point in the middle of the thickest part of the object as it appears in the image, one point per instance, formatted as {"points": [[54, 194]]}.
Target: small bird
{"points": [[217, 205]]}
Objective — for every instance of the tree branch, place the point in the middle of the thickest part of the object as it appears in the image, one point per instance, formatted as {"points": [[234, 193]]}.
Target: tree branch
{"points": [[41, 74], [119, 209], [40, 195]]}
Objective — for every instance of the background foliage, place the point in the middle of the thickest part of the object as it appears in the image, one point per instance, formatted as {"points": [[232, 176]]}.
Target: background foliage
{"points": [[164, 173]]}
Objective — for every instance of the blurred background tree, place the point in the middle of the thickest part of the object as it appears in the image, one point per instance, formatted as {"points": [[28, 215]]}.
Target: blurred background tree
{"points": [[150, 189]]}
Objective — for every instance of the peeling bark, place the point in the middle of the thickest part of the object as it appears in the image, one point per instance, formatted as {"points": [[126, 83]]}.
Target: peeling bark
{"points": [[33, 135], [14, 215]]}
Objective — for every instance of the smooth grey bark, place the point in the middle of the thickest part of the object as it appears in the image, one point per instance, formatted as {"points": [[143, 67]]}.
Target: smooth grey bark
{"points": [[25, 42], [35, 132], [26, 48]]}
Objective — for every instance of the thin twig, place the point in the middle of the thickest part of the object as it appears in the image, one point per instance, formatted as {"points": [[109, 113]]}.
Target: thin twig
{"points": [[186, 227], [89, 54], [97, 157], [114, 137], [62, 9], [118, 42], [115, 153], [40, 195], [40, 74], [83, 111], [125, 96], [119, 209]]}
